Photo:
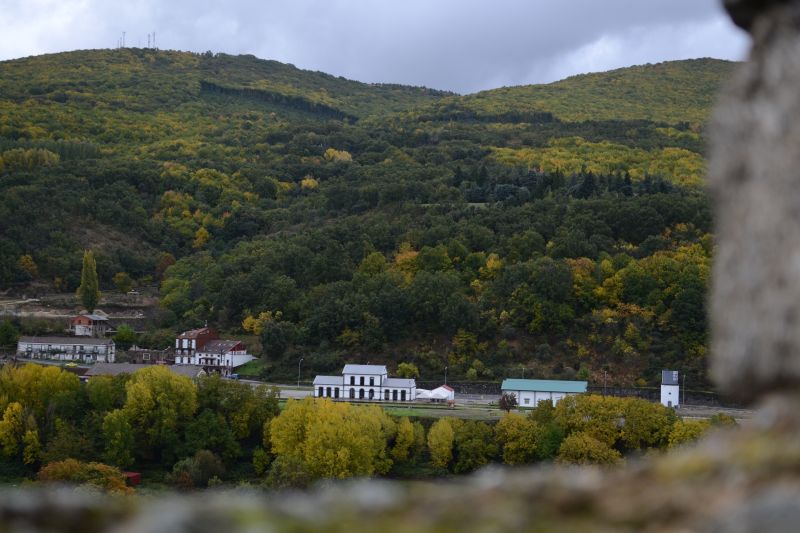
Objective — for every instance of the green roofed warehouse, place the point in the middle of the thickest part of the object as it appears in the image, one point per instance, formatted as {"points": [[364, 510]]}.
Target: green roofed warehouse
{"points": [[530, 392]]}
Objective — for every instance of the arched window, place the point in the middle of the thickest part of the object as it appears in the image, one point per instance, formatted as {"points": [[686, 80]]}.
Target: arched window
{"points": [[352, 394], [361, 393], [386, 395], [371, 394], [402, 395], [320, 392], [336, 392]]}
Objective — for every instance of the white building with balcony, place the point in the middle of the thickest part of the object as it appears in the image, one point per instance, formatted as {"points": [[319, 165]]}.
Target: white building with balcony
{"points": [[84, 349], [365, 382], [221, 355]]}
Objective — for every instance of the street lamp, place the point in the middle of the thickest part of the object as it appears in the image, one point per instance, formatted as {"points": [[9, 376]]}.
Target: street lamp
{"points": [[298, 371]]}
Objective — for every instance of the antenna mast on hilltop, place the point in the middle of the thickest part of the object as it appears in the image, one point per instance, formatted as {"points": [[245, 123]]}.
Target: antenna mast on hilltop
{"points": [[154, 40], [123, 39]]}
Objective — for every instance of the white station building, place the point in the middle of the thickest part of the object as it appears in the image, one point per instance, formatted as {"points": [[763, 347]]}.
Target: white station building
{"points": [[670, 389], [365, 382], [530, 392]]}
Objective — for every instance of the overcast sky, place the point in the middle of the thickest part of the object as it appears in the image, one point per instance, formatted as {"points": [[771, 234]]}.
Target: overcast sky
{"points": [[460, 45]]}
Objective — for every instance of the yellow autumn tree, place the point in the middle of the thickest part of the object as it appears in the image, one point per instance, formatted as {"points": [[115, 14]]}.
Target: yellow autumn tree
{"points": [[201, 237], [28, 265], [518, 437], [332, 440], [440, 442], [404, 440], [158, 405]]}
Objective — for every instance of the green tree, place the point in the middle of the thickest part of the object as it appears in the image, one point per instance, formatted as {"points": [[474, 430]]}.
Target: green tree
{"points": [[407, 370], [89, 289], [123, 282], [66, 443], [8, 334], [118, 437], [125, 337], [474, 446]]}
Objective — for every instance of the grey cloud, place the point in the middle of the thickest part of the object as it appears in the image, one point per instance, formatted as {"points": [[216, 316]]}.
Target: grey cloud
{"points": [[461, 45]]}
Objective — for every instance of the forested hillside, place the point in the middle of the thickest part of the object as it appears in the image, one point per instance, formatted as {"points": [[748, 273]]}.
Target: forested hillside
{"points": [[561, 228]]}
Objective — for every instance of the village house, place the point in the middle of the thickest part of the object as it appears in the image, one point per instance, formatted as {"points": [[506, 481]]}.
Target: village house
{"points": [[93, 325], [203, 347], [147, 356], [189, 342], [222, 356], [530, 392], [365, 382], [84, 349]]}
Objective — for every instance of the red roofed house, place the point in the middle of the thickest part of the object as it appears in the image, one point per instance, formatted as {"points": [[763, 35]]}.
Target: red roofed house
{"points": [[189, 342], [89, 325]]}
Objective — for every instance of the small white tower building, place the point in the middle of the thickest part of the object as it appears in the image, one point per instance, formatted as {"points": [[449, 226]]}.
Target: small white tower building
{"points": [[670, 389]]}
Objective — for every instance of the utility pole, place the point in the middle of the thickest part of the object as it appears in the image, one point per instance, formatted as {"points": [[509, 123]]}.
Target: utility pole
{"points": [[445, 375], [604, 382], [683, 391], [298, 371]]}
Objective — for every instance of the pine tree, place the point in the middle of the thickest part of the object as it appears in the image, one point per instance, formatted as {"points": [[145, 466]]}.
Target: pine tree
{"points": [[89, 290]]}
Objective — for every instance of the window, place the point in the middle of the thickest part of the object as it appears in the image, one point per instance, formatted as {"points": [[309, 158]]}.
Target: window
{"points": [[371, 394], [386, 395], [361, 393], [336, 392], [329, 392], [361, 380], [320, 392], [394, 395], [371, 382], [527, 400], [352, 394], [352, 380], [402, 395]]}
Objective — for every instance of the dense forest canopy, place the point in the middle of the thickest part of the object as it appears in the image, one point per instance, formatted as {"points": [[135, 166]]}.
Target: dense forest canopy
{"points": [[562, 227]]}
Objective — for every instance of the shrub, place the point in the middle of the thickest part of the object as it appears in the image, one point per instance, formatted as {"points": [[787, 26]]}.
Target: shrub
{"points": [[196, 472], [97, 475]]}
